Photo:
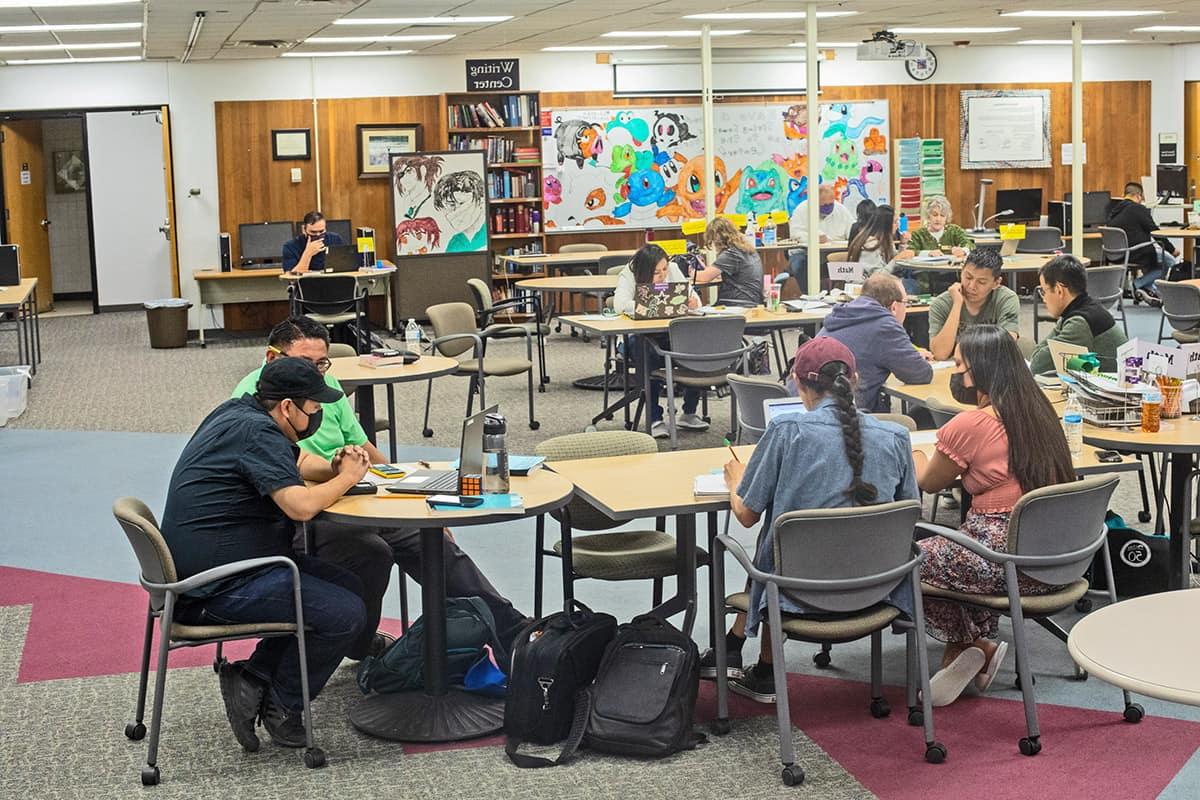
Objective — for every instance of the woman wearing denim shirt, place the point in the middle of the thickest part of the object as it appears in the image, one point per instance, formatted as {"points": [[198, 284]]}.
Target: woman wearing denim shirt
{"points": [[833, 456]]}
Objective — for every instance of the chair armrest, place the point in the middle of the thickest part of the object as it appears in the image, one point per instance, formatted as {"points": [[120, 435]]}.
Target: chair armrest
{"points": [[732, 354], [1057, 559], [224, 571], [492, 330], [811, 584], [453, 337], [512, 302]]}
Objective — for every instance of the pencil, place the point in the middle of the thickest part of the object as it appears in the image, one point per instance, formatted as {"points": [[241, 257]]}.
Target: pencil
{"points": [[735, 455]]}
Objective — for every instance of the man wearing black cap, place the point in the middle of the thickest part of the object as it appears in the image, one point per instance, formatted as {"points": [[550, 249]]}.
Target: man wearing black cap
{"points": [[233, 495]]}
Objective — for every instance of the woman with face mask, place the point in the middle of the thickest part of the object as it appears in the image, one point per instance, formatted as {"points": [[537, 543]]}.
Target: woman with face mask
{"points": [[1009, 444]]}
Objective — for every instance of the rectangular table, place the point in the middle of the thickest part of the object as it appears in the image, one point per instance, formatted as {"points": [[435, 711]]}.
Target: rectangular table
{"points": [[21, 301]]}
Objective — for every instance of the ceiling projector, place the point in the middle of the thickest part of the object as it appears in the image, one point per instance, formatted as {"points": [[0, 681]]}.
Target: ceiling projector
{"points": [[885, 46]]}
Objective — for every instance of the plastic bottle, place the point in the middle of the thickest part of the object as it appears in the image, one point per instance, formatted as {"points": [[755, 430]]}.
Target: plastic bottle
{"points": [[1073, 425], [769, 232], [495, 455], [752, 230], [412, 336]]}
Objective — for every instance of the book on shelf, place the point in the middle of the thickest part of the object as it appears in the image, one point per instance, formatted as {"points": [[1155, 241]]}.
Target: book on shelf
{"points": [[508, 111], [508, 185], [516, 219]]}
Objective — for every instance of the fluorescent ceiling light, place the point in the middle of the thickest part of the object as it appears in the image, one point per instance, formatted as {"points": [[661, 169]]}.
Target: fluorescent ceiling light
{"points": [[97, 26], [730, 15], [1068, 42], [953, 30], [1076, 14], [603, 48], [31, 48], [425, 37], [345, 53], [826, 44], [1170, 29], [93, 60], [61, 3], [418, 20], [667, 34]]}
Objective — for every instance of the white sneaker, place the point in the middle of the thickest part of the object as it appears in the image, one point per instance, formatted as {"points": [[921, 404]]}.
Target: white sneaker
{"points": [[691, 422], [659, 430]]}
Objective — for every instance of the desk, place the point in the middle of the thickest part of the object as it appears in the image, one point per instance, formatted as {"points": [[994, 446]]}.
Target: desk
{"points": [[266, 285], [1021, 262], [1190, 237], [1142, 645], [437, 713], [21, 301], [351, 375]]}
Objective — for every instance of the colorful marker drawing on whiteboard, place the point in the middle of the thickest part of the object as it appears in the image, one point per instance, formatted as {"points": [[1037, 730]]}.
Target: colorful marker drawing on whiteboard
{"points": [[762, 190], [875, 143], [551, 191], [689, 191], [670, 130], [795, 121], [578, 141], [639, 129], [644, 188], [840, 123]]}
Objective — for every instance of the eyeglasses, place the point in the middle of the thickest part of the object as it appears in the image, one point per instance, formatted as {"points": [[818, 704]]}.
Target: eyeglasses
{"points": [[322, 364]]}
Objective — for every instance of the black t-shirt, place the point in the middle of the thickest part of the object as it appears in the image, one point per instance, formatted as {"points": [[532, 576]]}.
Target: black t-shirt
{"points": [[219, 506]]}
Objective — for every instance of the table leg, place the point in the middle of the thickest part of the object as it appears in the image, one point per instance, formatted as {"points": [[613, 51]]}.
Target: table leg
{"points": [[205, 307], [714, 614], [644, 368], [1180, 521], [20, 313], [364, 403], [685, 569], [436, 713], [37, 328]]}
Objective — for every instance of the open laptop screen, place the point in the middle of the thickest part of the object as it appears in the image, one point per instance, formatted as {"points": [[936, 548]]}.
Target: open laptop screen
{"points": [[778, 406]]}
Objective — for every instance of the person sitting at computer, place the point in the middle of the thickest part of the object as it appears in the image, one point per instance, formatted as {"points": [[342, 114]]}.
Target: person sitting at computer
{"points": [[306, 253], [1081, 319], [367, 552], [1154, 255], [979, 298]]}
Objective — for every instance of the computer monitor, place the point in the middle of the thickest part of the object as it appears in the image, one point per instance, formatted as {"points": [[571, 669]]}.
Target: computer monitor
{"points": [[341, 227], [1095, 208], [1026, 205], [1172, 181], [263, 241]]}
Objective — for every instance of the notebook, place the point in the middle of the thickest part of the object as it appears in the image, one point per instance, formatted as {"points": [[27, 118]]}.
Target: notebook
{"points": [[710, 485]]}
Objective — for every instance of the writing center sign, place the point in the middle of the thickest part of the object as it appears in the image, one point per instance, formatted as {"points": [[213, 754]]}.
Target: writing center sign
{"points": [[492, 74]]}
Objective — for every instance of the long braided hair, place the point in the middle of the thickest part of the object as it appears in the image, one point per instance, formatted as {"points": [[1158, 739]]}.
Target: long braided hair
{"points": [[834, 379]]}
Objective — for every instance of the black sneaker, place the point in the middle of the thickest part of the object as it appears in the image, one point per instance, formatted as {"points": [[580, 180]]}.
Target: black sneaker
{"points": [[708, 664], [381, 642], [751, 684], [243, 695], [286, 728]]}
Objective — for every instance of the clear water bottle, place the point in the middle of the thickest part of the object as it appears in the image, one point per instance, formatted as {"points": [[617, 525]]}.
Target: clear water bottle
{"points": [[412, 336], [495, 455], [1073, 425], [751, 230], [769, 233]]}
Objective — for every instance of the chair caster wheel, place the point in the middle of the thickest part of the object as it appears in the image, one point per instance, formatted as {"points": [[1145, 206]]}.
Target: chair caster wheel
{"points": [[203, 345], [1134, 713], [1017, 682], [792, 775], [935, 753], [1030, 746], [720, 727], [1081, 674], [314, 758], [533, 426], [1144, 516], [629, 426], [916, 716], [590, 429], [150, 776], [822, 659], [880, 707], [135, 731], [1083, 605], [427, 433]]}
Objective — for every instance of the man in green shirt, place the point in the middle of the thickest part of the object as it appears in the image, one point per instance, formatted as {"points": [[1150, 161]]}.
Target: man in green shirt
{"points": [[1081, 318], [979, 298], [367, 552]]}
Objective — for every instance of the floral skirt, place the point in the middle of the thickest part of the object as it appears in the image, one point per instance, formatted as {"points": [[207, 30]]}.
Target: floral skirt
{"points": [[952, 567]]}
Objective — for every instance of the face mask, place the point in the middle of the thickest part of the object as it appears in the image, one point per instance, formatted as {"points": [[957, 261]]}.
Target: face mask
{"points": [[967, 395], [826, 210], [314, 423]]}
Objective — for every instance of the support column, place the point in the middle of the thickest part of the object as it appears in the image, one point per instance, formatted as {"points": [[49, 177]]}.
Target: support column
{"points": [[812, 100], [1076, 139]]}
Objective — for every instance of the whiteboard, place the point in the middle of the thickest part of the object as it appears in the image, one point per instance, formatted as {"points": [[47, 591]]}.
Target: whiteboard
{"points": [[1004, 129]]}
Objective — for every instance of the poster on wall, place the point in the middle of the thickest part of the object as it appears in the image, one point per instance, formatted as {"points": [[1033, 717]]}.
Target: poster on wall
{"points": [[1004, 129], [643, 166], [438, 203]]}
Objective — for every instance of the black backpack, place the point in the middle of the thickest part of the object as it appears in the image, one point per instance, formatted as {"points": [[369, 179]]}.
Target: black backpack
{"points": [[554, 661]]}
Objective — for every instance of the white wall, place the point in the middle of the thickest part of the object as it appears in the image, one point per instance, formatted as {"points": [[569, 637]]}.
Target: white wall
{"points": [[192, 89]]}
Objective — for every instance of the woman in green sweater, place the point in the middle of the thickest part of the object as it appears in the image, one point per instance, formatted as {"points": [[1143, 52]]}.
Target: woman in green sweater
{"points": [[937, 232]]}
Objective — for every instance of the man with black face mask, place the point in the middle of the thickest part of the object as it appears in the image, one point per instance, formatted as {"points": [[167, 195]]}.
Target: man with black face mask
{"points": [[234, 494]]}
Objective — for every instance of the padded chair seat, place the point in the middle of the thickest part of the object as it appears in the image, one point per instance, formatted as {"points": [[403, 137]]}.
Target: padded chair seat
{"points": [[186, 633], [1186, 337], [699, 380], [331, 319], [496, 366], [846, 627], [625, 555], [1032, 605], [497, 332]]}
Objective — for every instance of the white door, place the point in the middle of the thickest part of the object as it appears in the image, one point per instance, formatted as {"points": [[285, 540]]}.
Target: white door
{"points": [[129, 206]]}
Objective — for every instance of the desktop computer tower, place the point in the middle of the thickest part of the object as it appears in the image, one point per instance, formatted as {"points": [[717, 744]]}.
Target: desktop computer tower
{"points": [[226, 253], [1058, 215], [366, 259]]}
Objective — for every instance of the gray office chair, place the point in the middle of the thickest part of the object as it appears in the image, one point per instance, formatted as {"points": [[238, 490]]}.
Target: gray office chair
{"points": [[843, 563], [160, 580], [702, 351], [455, 333], [903, 420], [1053, 534], [1041, 240], [1115, 249], [1104, 286], [1181, 308], [941, 414], [530, 305], [333, 300], [750, 392]]}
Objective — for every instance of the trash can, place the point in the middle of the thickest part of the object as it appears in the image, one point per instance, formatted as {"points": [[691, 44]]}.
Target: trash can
{"points": [[168, 322], [14, 392]]}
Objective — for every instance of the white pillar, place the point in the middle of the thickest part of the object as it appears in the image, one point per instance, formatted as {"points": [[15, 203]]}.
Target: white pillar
{"points": [[812, 100], [1076, 139], [706, 100]]}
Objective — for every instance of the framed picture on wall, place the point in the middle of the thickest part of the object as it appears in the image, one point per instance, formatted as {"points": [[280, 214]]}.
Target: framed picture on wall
{"points": [[291, 144], [70, 173], [439, 203], [376, 143]]}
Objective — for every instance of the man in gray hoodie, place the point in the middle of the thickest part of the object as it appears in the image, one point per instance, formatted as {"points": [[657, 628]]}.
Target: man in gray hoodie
{"points": [[872, 327]]}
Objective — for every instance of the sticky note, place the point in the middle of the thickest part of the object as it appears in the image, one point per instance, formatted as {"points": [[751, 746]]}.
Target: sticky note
{"points": [[1012, 231], [366, 244], [673, 247], [694, 226]]}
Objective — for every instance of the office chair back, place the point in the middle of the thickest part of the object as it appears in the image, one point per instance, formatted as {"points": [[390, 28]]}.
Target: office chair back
{"points": [[1104, 284], [903, 420], [1041, 240], [598, 444], [1058, 520], [328, 295], [607, 264], [583, 247], [940, 412], [708, 341], [857, 546], [451, 318], [1114, 245], [481, 292], [1180, 304], [153, 555], [750, 392]]}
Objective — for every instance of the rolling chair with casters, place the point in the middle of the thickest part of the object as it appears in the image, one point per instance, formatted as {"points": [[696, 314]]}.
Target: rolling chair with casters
{"points": [[1053, 534], [810, 548], [334, 300], [487, 310], [160, 580], [1045, 241], [1181, 308], [574, 247], [750, 392], [903, 420], [455, 333], [941, 414], [1115, 249]]}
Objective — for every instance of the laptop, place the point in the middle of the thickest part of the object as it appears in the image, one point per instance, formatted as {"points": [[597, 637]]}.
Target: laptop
{"points": [[450, 481], [1061, 352], [660, 300], [1008, 247], [10, 265], [341, 258], [778, 406]]}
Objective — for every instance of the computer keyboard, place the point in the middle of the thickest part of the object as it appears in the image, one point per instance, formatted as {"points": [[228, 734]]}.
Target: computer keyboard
{"points": [[446, 482]]}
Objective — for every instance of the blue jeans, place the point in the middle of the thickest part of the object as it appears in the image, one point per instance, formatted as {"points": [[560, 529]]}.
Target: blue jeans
{"points": [[1166, 262], [691, 397], [333, 617]]}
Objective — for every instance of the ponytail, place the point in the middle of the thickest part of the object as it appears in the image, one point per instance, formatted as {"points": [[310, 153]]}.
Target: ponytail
{"points": [[834, 379]]}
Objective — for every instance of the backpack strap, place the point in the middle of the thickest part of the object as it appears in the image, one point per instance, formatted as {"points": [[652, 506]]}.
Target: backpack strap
{"points": [[583, 710]]}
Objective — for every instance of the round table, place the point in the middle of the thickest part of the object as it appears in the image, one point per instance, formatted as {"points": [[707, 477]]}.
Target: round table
{"points": [[1142, 645], [1180, 439], [438, 713], [351, 374]]}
